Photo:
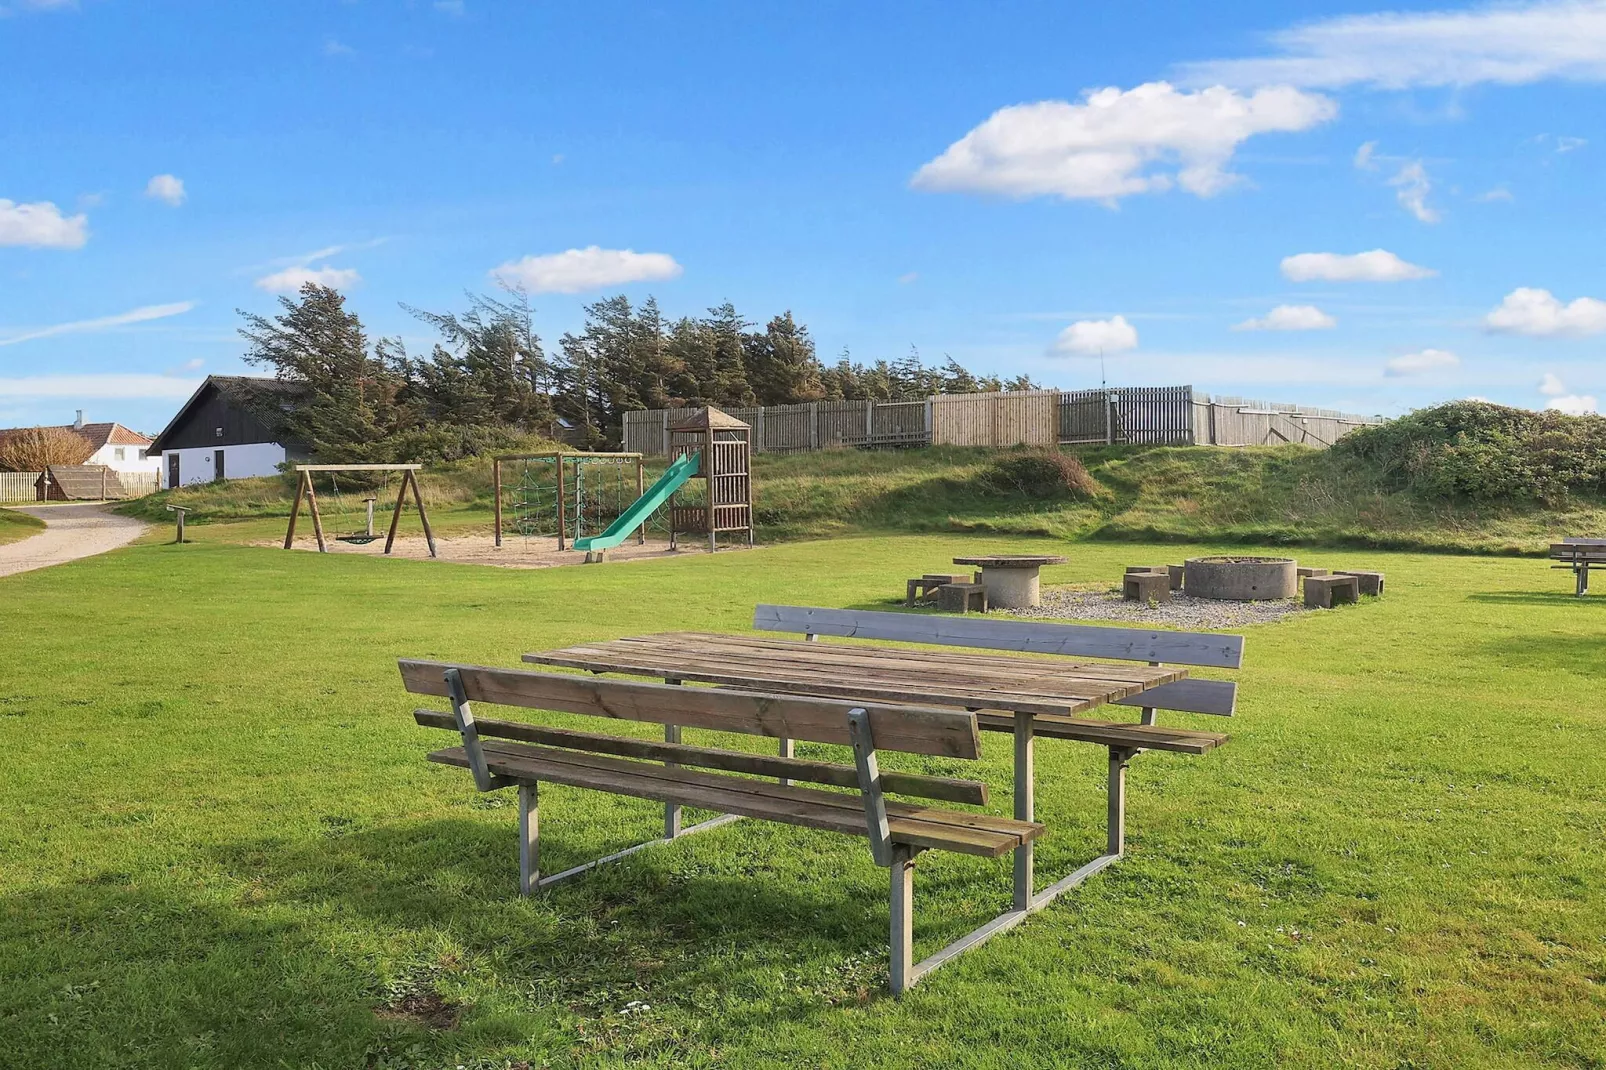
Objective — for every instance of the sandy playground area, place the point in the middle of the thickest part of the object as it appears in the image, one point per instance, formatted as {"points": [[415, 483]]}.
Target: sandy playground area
{"points": [[515, 551]]}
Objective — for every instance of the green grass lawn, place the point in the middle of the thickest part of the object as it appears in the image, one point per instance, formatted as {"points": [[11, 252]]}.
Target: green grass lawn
{"points": [[15, 526], [220, 844]]}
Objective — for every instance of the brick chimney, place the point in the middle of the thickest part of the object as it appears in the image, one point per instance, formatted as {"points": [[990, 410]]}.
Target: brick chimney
{"points": [[78, 424]]}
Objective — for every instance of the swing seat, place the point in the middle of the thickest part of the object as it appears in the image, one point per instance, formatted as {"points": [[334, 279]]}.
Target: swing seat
{"points": [[361, 538]]}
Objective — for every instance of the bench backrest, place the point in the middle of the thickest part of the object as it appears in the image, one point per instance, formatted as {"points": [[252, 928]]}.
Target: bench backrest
{"points": [[911, 729], [1192, 695], [1123, 644]]}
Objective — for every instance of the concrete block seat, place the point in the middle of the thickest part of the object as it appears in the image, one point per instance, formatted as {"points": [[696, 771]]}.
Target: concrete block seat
{"points": [[1146, 587], [1325, 592]]}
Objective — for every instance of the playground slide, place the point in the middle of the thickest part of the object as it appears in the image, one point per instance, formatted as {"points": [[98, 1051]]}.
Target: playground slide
{"points": [[635, 516]]}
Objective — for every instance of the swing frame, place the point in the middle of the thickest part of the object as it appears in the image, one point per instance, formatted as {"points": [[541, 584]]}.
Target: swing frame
{"points": [[304, 489], [557, 459]]}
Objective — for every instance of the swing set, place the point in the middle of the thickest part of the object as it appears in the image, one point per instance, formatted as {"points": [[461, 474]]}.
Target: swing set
{"points": [[347, 530], [566, 493]]}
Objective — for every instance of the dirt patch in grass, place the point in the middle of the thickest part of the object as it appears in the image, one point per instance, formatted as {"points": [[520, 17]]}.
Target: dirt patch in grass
{"points": [[426, 1009]]}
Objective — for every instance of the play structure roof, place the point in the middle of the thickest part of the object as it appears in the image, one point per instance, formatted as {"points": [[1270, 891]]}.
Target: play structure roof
{"points": [[708, 419]]}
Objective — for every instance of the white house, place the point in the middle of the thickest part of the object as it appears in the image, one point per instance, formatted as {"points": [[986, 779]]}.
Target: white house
{"points": [[231, 428], [114, 446]]}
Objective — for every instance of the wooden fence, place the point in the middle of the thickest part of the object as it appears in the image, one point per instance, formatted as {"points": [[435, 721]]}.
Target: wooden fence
{"points": [[1159, 416], [18, 486]]}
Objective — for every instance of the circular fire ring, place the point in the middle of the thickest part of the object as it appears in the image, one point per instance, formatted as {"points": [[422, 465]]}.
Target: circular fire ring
{"points": [[1240, 579]]}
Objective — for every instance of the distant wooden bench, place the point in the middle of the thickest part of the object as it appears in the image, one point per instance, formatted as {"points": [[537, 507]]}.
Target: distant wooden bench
{"points": [[1579, 556], [518, 754]]}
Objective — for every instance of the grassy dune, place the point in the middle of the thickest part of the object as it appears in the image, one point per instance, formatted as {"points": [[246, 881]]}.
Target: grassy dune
{"points": [[15, 526], [1266, 495]]}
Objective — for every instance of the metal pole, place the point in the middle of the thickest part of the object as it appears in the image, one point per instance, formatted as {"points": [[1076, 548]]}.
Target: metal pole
{"points": [[560, 500], [641, 488]]}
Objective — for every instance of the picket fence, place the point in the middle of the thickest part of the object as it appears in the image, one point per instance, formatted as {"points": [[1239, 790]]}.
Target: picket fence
{"points": [[1165, 415], [18, 487]]}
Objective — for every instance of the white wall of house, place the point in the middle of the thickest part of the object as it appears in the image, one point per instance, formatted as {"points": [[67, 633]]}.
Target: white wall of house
{"points": [[125, 459], [196, 465]]}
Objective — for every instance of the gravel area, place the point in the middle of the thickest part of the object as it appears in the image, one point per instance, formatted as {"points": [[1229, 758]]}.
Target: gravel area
{"points": [[71, 531], [1070, 603]]}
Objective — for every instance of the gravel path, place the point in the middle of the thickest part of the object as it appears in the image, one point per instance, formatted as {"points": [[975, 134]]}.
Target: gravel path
{"points": [[71, 532], [1065, 603]]}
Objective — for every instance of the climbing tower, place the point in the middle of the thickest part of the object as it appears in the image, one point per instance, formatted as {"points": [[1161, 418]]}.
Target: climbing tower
{"points": [[724, 446]]}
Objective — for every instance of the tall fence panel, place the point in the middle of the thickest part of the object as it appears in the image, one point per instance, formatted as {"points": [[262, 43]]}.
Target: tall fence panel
{"points": [[1155, 416], [18, 486], [998, 419]]}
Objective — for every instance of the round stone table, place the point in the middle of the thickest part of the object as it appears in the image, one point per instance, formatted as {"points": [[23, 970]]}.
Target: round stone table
{"points": [[1011, 579]]}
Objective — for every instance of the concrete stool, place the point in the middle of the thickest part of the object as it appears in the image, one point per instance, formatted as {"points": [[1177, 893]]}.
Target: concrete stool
{"points": [[1325, 592], [918, 589], [1371, 582], [1176, 572], [1304, 572], [961, 597], [1146, 587], [1172, 572]]}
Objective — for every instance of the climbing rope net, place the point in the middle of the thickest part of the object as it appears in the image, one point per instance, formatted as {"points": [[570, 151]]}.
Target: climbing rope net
{"points": [[596, 492]]}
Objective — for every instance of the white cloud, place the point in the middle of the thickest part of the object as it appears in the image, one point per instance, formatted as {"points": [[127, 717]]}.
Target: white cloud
{"points": [[1538, 313], [1499, 193], [1574, 404], [1290, 318], [1377, 265], [1551, 386], [1363, 156], [168, 188], [332, 47], [102, 323], [1505, 43], [1568, 144], [591, 268], [1116, 143], [98, 386], [292, 279], [1091, 337], [1421, 363], [41, 225], [908, 277], [1411, 187], [454, 8]]}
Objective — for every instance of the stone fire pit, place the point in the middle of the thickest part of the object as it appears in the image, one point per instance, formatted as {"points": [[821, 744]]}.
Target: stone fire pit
{"points": [[1240, 579]]}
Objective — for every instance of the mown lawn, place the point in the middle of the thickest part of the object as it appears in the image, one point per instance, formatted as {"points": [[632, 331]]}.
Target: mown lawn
{"points": [[220, 844], [15, 526]]}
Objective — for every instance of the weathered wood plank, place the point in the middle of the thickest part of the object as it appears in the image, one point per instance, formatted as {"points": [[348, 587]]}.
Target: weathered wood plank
{"points": [[1219, 697], [1129, 644], [912, 729], [811, 807], [947, 789], [1110, 734]]}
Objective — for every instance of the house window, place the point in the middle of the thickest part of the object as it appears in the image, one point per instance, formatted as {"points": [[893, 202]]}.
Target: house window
{"points": [[218, 433], [142, 455], [119, 453]]}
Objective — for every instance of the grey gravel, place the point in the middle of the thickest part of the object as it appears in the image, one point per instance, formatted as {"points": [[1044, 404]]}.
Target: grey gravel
{"points": [[1071, 603]]}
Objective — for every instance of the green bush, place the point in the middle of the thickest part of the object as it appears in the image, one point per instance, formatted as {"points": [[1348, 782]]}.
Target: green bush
{"points": [[1483, 452], [1044, 474]]}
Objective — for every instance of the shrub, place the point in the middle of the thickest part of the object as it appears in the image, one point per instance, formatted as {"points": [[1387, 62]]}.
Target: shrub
{"points": [[1042, 474], [1484, 452], [31, 449]]}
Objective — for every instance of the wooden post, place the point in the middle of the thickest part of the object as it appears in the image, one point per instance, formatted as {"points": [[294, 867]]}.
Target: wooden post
{"points": [[1025, 775], [317, 521], [902, 917], [560, 500], [708, 459], [1117, 801], [178, 517], [529, 839], [395, 517], [423, 517], [368, 515], [496, 486], [671, 810], [641, 488], [295, 508]]}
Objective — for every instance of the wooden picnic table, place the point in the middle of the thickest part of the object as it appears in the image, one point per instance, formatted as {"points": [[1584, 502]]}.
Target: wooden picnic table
{"points": [[1011, 580], [1579, 555]]}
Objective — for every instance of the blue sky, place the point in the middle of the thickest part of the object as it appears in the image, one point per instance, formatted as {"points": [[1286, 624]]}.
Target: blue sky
{"points": [[1317, 203]]}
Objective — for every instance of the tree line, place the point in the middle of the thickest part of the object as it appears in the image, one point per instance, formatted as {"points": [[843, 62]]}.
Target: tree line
{"points": [[487, 381]]}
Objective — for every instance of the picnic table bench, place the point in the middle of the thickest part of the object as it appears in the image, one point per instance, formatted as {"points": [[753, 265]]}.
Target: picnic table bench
{"points": [[1027, 698], [502, 754], [1579, 555]]}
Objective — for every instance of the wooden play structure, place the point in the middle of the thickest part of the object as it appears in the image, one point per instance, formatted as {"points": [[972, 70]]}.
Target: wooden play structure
{"points": [[304, 489], [553, 491], [724, 447]]}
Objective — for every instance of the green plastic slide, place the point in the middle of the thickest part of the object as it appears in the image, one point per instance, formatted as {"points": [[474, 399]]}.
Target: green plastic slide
{"points": [[631, 519]]}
